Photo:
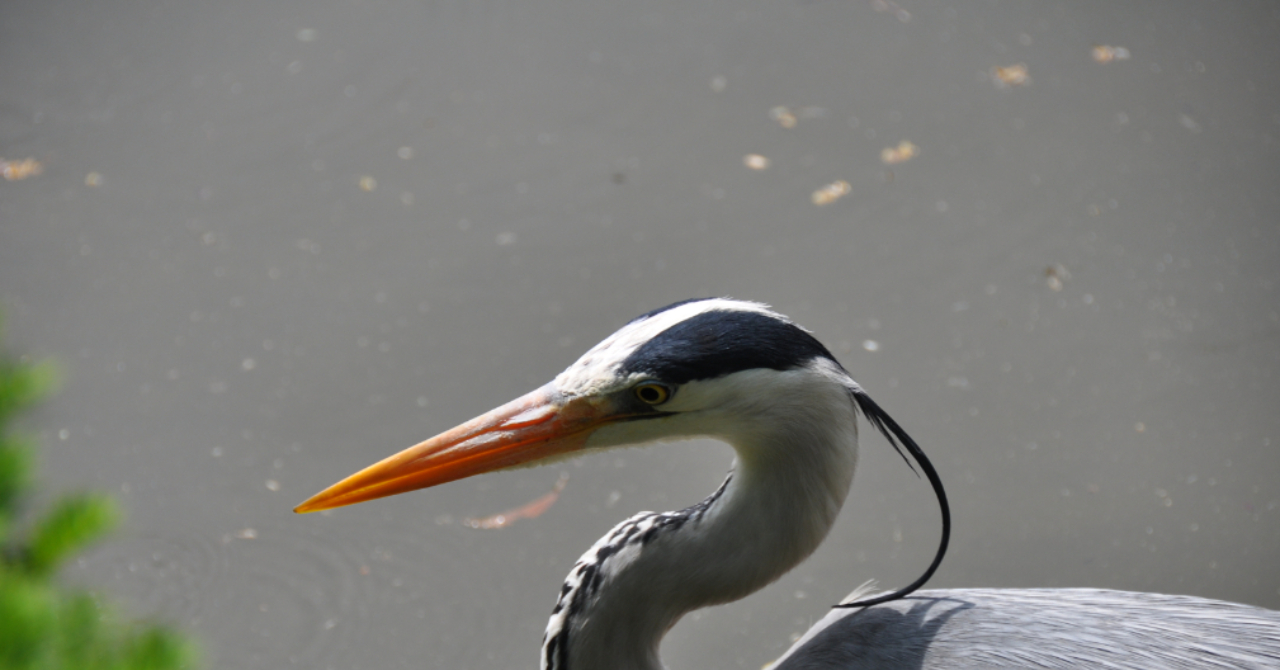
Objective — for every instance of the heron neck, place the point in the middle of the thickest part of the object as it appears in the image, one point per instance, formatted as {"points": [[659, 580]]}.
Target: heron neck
{"points": [[791, 476]]}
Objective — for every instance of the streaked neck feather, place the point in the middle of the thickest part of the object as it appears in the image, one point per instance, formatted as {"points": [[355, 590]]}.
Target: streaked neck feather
{"points": [[792, 473]]}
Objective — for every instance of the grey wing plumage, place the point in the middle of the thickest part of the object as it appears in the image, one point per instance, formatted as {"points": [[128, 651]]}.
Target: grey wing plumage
{"points": [[1041, 628]]}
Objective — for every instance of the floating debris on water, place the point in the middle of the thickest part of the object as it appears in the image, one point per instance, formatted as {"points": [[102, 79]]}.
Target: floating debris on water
{"points": [[788, 118], [1012, 75], [783, 116], [368, 183], [756, 162], [20, 169], [902, 153], [1105, 54], [1055, 275], [1189, 123], [530, 510], [831, 192]]}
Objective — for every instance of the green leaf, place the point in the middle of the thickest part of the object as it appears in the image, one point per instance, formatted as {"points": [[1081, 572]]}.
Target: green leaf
{"points": [[75, 521], [44, 626], [23, 385], [17, 463], [28, 621]]}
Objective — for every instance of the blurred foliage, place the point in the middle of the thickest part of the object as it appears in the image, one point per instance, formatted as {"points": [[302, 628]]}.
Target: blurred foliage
{"points": [[44, 626]]}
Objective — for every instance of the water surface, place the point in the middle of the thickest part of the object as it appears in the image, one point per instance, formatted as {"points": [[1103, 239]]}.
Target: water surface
{"points": [[275, 242]]}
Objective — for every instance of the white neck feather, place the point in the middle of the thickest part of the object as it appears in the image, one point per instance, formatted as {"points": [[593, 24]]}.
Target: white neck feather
{"points": [[793, 470]]}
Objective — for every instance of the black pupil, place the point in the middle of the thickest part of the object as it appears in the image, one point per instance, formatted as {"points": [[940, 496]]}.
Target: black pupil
{"points": [[650, 394]]}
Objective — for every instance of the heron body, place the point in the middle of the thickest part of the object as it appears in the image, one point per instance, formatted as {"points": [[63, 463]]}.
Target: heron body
{"points": [[738, 372]]}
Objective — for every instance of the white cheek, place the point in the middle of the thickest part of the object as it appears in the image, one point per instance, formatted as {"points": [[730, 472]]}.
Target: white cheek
{"points": [[638, 432]]}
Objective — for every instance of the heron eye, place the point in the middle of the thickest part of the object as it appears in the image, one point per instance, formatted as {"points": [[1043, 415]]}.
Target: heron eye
{"points": [[652, 394]]}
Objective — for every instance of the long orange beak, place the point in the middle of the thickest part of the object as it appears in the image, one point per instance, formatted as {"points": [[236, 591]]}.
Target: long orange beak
{"points": [[535, 426]]}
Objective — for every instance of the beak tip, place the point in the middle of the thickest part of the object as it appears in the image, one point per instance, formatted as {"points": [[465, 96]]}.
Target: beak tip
{"points": [[308, 507]]}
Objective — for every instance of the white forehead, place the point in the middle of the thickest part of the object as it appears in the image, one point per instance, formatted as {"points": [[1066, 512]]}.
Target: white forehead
{"points": [[596, 370]]}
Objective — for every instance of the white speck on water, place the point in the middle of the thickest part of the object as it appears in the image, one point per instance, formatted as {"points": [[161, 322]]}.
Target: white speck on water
{"points": [[306, 35], [871, 345], [273, 485], [248, 364]]}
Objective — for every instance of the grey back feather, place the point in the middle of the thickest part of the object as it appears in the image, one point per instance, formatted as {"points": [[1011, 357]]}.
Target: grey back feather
{"points": [[1041, 628]]}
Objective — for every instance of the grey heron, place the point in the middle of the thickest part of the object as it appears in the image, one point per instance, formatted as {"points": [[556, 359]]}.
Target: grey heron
{"points": [[741, 373]]}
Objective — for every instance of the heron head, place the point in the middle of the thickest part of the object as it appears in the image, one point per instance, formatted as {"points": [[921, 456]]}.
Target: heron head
{"points": [[699, 367]]}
